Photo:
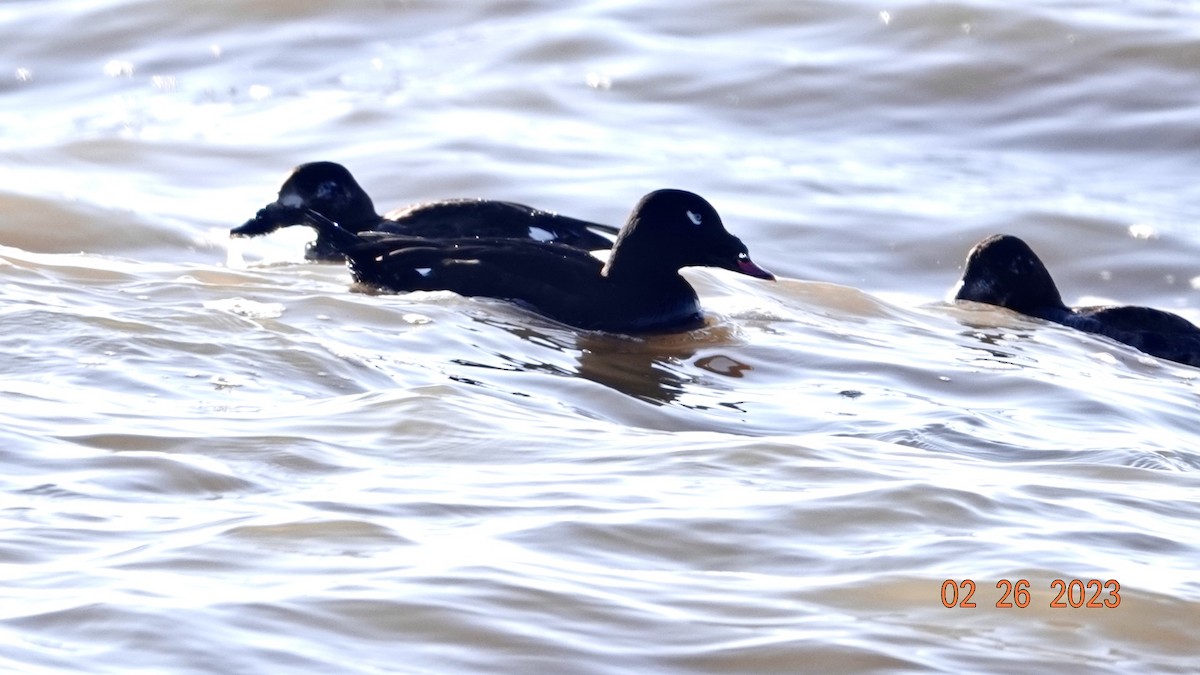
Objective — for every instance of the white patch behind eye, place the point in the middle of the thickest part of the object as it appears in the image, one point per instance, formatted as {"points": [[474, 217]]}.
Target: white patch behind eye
{"points": [[694, 217], [424, 271], [328, 190], [292, 200], [538, 234]]}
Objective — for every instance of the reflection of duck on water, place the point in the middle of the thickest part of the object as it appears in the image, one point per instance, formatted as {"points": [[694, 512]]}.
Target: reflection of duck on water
{"points": [[656, 369]]}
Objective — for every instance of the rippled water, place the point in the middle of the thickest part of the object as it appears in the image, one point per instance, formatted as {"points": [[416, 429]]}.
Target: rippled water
{"points": [[219, 458]]}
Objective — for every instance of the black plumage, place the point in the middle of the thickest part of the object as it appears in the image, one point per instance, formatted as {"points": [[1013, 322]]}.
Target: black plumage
{"points": [[330, 190], [638, 290], [1002, 270]]}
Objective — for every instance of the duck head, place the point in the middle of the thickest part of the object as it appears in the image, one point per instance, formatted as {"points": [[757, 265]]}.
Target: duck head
{"points": [[1002, 270], [672, 229], [324, 187]]}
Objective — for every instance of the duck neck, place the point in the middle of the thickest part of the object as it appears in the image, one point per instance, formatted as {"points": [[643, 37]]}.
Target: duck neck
{"points": [[635, 268], [363, 223], [635, 256]]}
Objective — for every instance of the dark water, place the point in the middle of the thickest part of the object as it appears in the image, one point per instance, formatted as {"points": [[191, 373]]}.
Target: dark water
{"points": [[219, 458]]}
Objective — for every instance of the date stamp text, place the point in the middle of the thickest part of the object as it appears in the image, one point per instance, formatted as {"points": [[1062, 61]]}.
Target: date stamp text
{"points": [[1069, 593]]}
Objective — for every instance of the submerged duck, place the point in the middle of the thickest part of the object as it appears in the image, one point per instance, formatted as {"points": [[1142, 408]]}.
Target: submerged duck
{"points": [[328, 189], [638, 290], [1002, 270]]}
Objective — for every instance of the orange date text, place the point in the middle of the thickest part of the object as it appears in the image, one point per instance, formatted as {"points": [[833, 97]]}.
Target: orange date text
{"points": [[1068, 593]]}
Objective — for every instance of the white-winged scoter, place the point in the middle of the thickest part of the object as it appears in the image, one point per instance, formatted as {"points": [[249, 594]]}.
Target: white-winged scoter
{"points": [[1002, 270], [638, 290], [329, 189]]}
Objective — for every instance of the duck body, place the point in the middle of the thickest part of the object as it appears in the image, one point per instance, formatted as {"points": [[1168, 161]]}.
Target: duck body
{"points": [[1003, 270], [329, 189], [558, 281], [638, 290], [1158, 333]]}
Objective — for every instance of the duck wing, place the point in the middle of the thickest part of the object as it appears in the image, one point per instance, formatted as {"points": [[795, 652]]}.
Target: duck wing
{"points": [[482, 218]]}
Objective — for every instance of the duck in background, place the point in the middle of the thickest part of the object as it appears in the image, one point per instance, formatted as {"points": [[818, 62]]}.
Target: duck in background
{"points": [[638, 290], [328, 188], [1002, 270]]}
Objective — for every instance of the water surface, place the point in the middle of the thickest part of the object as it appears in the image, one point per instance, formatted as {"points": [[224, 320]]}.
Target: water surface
{"points": [[220, 458]]}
